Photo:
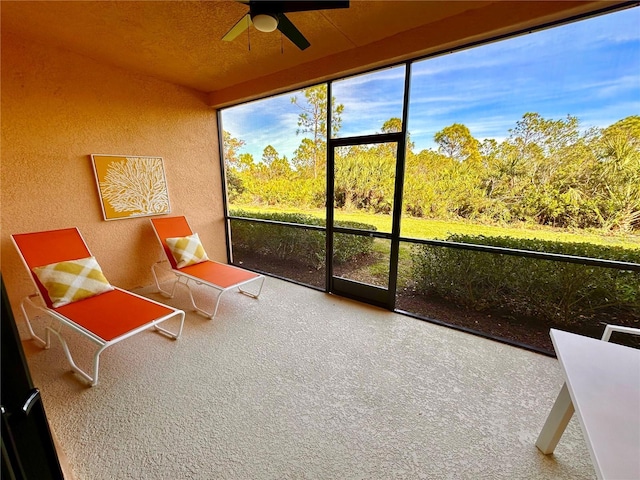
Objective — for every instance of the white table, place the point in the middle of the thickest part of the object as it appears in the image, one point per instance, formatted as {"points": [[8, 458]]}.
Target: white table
{"points": [[602, 385]]}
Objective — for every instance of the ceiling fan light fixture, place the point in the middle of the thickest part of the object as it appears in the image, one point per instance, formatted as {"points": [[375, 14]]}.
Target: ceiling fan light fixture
{"points": [[264, 22]]}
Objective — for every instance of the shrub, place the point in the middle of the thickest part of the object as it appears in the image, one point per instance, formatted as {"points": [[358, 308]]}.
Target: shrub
{"points": [[300, 245], [547, 289]]}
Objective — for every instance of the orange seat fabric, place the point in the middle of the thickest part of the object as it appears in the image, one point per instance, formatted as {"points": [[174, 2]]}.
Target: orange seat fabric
{"points": [[219, 274], [43, 248], [113, 314], [223, 275]]}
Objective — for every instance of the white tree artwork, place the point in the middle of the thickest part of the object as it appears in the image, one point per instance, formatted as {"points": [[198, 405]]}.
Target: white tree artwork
{"points": [[136, 185]]}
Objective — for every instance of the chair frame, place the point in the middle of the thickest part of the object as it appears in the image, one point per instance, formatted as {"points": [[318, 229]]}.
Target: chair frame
{"points": [[186, 279], [609, 329], [37, 302]]}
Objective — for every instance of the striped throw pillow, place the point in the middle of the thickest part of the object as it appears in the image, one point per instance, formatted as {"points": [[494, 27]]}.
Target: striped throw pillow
{"points": [[187, 250], [72, 280]]}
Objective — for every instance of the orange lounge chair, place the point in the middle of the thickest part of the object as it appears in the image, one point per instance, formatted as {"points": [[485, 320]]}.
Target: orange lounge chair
{"points": [[100, 312], [171, 231]]}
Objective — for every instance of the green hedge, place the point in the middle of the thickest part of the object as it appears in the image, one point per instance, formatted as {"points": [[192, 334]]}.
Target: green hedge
{"points": [[300, 245], [545, 289]]}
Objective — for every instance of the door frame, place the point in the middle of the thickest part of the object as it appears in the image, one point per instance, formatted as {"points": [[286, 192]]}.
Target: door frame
{"points": [[381, 297], [375, 295]]}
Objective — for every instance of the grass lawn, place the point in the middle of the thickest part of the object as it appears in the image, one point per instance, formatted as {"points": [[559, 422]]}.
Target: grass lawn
{"points": [[441, 229]]}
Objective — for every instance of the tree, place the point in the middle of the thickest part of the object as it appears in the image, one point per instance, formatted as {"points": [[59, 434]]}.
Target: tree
{"points": [[618, 174], [230, 148], [364, 179], [621, 143], [422, 171], [303, 157], [456, 142], [273, 166], [313, 120], [269, 154], [394, 125], [239, 176], [234, 164]]}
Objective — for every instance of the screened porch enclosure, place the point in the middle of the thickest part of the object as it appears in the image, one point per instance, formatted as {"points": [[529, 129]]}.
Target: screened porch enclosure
{"points": [[455, 188]]}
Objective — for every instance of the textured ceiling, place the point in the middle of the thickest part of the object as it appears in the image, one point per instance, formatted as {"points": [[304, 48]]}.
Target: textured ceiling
{"points": [[180, 41]]}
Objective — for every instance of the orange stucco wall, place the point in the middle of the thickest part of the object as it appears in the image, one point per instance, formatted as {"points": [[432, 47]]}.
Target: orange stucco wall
{"points": [[57, 109]]}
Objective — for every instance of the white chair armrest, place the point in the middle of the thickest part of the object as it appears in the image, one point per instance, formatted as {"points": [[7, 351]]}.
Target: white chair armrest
{"points": [[609, 329]]}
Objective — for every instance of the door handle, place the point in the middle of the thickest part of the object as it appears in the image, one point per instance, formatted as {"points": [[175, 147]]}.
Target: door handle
{"points": [[32, 399]]}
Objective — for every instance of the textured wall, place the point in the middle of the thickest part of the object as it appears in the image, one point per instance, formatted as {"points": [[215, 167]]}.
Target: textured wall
{"points": [[57, 109]]}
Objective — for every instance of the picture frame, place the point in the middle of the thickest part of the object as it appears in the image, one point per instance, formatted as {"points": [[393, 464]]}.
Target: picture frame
{"points": [[131, 186]]}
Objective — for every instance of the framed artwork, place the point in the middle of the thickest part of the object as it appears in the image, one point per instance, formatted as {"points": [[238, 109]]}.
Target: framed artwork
{"points": [[131, 186]]}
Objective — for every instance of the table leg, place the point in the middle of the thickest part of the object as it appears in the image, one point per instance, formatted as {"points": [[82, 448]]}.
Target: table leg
{"points": [[556, 422]]}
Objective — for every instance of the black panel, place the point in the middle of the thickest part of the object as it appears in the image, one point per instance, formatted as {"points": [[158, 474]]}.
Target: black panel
{"points": [[28, 451], [361, 291]]}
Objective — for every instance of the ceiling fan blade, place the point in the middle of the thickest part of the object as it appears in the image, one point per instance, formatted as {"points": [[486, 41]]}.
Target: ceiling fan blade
{"points": [[267, 6], [238, 28], [289, 30]]}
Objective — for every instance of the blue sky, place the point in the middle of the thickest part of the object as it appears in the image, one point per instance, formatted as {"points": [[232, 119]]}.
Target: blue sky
{"points": [[588, 69]]}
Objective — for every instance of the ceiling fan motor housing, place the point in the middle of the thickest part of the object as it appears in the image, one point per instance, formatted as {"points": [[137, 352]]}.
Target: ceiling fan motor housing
{"points": [[268, 16]]}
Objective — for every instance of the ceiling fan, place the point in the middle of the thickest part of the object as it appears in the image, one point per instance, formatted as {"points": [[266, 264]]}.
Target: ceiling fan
{"points": [[268, 16]]}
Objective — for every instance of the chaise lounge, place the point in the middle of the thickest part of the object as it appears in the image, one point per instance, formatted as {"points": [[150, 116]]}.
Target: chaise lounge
{"points": [[190, 265], [72, 290]]}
